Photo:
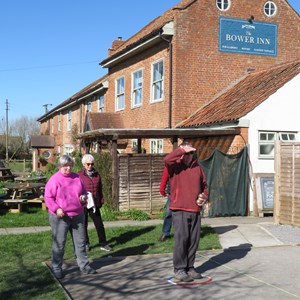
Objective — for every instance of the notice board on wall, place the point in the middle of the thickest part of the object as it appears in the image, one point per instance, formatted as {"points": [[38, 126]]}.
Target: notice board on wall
{"points": [[267, 192], [264, 193]]}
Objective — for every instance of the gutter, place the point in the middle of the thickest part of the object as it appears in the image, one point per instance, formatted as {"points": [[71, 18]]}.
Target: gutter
{"points": [[54, 111]]}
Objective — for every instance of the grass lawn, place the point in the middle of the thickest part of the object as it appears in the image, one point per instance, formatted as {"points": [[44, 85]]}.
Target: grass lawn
{"points": [[23, 276]]}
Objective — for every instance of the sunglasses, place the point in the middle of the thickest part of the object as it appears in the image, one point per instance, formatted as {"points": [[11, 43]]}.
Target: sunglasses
{"points": [[89, 164]]}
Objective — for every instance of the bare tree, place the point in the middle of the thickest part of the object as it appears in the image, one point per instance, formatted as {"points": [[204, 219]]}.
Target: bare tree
{"points": [[24, 127], [20, 131]]}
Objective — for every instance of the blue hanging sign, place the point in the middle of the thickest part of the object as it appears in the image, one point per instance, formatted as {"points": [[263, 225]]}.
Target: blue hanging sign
{"points": [[247, 37]]}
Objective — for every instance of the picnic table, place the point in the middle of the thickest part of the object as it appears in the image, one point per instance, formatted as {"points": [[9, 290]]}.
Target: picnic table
{"points": [[19, 193], [30, 178], [18, 189]]}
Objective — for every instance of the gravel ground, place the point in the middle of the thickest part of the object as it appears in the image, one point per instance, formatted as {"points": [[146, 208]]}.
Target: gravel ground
{"points": [[285, 233]]}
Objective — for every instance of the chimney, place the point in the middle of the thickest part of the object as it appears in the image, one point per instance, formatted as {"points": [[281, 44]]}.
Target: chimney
{"points": [[115, 45]]}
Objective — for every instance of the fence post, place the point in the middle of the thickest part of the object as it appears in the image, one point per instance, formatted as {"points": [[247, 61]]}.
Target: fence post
{"points": [[277, 163]]}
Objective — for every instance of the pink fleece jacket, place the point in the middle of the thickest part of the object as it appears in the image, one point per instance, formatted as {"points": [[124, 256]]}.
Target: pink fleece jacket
{"points": [[63, 191]]}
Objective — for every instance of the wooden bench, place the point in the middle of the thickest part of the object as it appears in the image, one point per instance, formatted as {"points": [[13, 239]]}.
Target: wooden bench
{"points": [[38, 200], [15, 202]]}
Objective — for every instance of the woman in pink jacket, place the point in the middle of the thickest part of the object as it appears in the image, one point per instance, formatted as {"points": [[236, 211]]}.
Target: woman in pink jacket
{"points": [[65, 198]]}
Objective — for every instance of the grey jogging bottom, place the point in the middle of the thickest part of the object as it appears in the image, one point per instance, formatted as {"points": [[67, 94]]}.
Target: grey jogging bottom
{"points": [[60, 228], [187, 227]]}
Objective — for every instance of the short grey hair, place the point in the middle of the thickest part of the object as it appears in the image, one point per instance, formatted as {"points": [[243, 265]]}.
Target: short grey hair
{"points": [[87, 157], [65, 160]]}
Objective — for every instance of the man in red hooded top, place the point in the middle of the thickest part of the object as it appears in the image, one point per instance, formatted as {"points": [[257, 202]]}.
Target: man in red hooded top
{"points": [[188, 194]]}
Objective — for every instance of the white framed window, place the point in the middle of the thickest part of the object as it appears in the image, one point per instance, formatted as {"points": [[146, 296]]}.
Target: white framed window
{"points": [[156, 145], [223, 4], [120, 93], [46, 154], [58, 151], [88, 106], [287, 136], [266, 141], [270, 9], [68, 149], [137, 88], [69, 120], [157, 81], [59, 122], [101, 103], [52, 125]]}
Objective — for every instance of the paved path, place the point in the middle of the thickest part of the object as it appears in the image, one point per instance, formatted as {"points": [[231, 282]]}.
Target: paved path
{"points": [[253, 264]]}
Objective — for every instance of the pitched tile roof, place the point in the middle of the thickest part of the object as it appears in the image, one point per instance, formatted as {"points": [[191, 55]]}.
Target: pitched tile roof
{"points": [[105, 120], [42, 141], [86, 90], [243, 96], [149, 30]]}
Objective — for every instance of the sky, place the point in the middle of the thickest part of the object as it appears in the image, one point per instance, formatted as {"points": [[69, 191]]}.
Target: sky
{"points": [[51, 49]]}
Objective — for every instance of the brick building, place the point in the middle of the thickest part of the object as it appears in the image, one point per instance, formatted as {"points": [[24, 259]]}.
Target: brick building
{"points": [[175, 66]]}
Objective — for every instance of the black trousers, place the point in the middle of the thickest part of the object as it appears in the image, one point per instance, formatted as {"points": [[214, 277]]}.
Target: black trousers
{"points": [[97, 219], [187, 227]]}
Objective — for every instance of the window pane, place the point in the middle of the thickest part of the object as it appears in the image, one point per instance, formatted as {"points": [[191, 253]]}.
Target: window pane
{"points": [[271, 136], [292, 137], [263, 136], [266, 150]]}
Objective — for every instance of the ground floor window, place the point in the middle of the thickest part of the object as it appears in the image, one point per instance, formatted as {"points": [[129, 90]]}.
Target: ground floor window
{"points": [[156, 146], [266, 141], [68, 149]]}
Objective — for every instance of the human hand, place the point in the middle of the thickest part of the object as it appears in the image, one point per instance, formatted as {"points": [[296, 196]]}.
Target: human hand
{"points": [[201, 199], [60, 213], [83, 199], [188, 148]]}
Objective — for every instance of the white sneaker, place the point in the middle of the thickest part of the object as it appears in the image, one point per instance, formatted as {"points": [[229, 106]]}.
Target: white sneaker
{"points": [[106, 248]]}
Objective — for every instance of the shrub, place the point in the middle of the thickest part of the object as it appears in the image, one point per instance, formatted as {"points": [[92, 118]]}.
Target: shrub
{"points": [[103, 163]]}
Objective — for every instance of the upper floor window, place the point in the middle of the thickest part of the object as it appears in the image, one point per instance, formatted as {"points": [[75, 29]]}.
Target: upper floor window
{"points": [[59, 122], [157, 81], [266, 141], [223, 4], [137, 88], [156, 146], [52, 125], [101, 103], [270, 8], [120, 93], [88, 106], [69, 120]]}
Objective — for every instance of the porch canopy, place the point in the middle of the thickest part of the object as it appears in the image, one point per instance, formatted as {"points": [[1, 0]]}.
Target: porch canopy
{"points": [[113, 135]]}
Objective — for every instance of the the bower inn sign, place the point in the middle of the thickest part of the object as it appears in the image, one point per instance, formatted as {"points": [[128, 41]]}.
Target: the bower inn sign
{"points": [[247, 37]]}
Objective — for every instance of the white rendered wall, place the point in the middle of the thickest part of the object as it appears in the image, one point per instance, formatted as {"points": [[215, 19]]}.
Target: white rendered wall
{"points": [[280, 112]]}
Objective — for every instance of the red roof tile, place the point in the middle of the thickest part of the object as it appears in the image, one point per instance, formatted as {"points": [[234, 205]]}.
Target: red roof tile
{"points": [[105, 120], [243, 96], [149, 29]]}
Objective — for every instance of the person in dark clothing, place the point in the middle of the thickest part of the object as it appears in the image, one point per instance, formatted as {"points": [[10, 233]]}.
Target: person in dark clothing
{"points": [[93, 184], [164, 190], [188, 194]]}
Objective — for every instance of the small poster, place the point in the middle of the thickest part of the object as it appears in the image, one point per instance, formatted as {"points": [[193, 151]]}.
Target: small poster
{"points": [[267, 190]]}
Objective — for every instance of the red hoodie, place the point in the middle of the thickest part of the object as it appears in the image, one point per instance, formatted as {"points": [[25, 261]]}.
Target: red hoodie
{"points": [[186, 182]]}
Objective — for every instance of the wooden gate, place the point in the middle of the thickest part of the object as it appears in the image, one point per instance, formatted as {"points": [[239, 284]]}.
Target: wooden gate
{"points": [[287, 184], [139, 180]]}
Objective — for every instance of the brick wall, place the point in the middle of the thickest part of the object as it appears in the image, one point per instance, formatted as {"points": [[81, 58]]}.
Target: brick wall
{"points": [[200, 71]]}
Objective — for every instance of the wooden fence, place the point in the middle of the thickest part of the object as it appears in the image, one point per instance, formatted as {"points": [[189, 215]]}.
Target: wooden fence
{"points": [[139, 179], [287, 184]]}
